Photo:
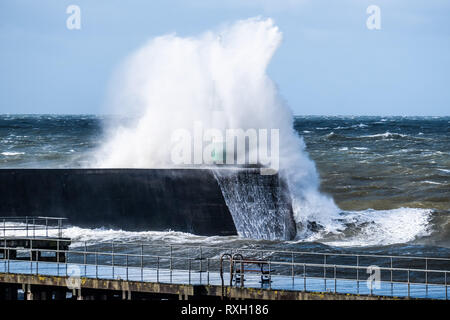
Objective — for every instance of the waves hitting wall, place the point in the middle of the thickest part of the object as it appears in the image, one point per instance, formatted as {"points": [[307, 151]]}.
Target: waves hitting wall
{"points": [[219, 79], [398, 166]]}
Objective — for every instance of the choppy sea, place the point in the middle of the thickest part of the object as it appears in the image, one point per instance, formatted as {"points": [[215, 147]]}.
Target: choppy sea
{"points": [[390, 175]]}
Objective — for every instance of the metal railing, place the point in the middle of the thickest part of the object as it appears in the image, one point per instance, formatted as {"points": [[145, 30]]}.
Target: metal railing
{"points": [[32, 226], [413, 263], [289, 270]]}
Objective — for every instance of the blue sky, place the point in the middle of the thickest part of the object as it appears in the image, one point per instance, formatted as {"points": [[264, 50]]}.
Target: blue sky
{"points": [[329, 62]]}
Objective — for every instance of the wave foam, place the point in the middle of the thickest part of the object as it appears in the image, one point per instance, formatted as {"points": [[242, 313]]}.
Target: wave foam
{"points": [[386, 135], [102, 235], [383, 227], [12, 153], [354, 229]]}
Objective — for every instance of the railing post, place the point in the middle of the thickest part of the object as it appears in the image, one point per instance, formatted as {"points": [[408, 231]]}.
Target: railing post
{"points": [[142, 262], [4, 229], [270, 275], [46, 227], [292, 269], [171, 264], [59, 228], [85, 259], [392, 278], [112, 258], [31, 256], [126, 262], [325, 271], [242, 273], [335, 280], [426, 277], [34, 227], [57, 256], [231, 269], [304, 277], [357, 274], [201, 264], [4, 249], [446, 297], [157, 270], [96, 264], [207, 270], [408, 285], [189, 259], [26, 225]]}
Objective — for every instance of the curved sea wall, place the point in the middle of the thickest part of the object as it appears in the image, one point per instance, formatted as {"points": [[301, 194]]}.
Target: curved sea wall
{"points": [[188, 200]]}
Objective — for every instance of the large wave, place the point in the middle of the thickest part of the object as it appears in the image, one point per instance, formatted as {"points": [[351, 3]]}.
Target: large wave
{"points": [[219, 78], [173, 82]]}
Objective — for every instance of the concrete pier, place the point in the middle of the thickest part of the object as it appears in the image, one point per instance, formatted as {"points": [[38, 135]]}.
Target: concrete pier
{"points": [[187, 200]]}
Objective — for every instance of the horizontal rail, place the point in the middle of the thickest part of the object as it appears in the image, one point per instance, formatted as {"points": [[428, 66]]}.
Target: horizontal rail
{"points": [[328, 254], [135, 255], [33, 217], [303, 253], [316, 253], [30, 225]]}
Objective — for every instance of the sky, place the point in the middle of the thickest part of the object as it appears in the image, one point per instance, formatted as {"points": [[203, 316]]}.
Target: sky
{"points": [[329, 63]]}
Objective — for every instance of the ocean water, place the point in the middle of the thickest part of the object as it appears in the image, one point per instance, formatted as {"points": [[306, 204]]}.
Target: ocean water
{"points": [[390, 176]]}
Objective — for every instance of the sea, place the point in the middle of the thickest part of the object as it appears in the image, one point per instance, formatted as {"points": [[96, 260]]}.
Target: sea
{"points": [[390, 176]]}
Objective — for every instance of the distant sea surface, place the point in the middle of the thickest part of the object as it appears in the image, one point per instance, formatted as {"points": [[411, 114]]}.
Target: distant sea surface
{"points": [[379, 163]]}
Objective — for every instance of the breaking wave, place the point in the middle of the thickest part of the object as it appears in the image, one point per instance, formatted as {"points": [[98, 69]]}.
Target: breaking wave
{"points": [[219, 79], [381, 227]]}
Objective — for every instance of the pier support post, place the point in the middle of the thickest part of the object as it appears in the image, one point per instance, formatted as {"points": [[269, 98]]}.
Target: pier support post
{"points": [[78, 294], [126, 295], [28, 293], [183, 296]]}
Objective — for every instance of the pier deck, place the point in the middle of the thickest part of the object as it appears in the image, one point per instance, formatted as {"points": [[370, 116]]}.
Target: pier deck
{"points": [[99, 282], [193, 283], [40, 266]]}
